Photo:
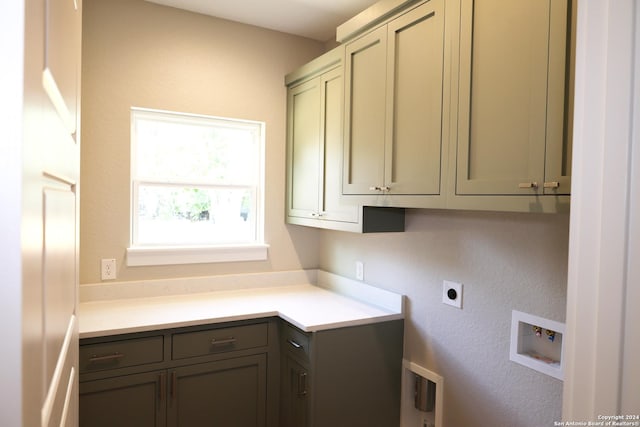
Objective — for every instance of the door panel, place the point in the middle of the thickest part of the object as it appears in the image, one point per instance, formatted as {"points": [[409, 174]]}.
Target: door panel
{"points": [[414, 117], [304, 131], [562, 46], [128, 401], [230, 393], [61, 405], [62, 47], [503, 96], [365, 109], [332, 106], [59, 304], [51, 172], [295, 393], [59, 272]]}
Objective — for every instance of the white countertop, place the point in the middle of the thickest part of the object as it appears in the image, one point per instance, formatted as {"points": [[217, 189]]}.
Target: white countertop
{"points": [[331, 302]]}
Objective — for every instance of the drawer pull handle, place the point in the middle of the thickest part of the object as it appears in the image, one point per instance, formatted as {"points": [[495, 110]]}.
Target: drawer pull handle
{"points": [[528, 185], [552, 184], [223, 341], [106, 358], [302, 384], [294, 344]]}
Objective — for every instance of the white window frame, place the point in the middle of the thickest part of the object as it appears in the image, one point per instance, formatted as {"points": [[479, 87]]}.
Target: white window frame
{"points": [[147, 255]]}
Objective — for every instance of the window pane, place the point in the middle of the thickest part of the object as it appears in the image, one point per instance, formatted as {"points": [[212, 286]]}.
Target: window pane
{"points": [[171, 215], [197, 180], [217, 152]]}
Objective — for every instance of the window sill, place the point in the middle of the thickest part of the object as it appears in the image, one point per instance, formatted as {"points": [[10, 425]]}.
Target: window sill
{"points": [[141, 256]]}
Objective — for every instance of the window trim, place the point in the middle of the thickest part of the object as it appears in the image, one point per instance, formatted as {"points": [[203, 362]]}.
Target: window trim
{"points": [[148, 255], [164, 255]]}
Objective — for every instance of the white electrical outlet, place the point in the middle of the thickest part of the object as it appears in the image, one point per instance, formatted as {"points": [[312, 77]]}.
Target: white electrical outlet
{"points": [[452, 293], [108, 271], [359, 270]]}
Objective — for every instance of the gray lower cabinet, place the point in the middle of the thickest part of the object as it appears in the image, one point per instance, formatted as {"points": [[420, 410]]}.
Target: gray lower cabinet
{"points": [[345, 377], [294, 382], [264, 373], [215, 375], [225, 393], [125, 401]]}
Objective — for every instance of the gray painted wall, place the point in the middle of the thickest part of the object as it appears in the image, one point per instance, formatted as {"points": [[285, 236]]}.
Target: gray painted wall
{"points": [[505, 261]]}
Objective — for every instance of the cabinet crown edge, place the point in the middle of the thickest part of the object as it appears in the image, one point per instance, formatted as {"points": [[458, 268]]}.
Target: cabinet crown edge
{"points": [[370, 17], [317, 66]]}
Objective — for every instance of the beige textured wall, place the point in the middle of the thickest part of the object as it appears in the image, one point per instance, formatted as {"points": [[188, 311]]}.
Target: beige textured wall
{"points": [[505, 261], [137, 53]]}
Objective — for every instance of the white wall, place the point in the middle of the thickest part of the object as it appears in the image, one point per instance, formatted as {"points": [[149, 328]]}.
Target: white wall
{"points": [[505, 261], [11, 107], [137, 53]]}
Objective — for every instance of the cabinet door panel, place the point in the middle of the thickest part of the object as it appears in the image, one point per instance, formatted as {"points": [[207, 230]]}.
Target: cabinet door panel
{"points": [[560, 112], [503, 95], [332, 106], [229, 393], [127, 401], [295, 393], [304, 149], [414, 117], [365, 110]]}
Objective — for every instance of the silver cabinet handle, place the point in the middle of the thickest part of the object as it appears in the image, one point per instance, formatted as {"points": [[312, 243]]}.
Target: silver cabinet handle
{"points": [[374, 188], [377, 188], [223, 341], [528, 185], [294, 344], [106, 358], [552, 184]]}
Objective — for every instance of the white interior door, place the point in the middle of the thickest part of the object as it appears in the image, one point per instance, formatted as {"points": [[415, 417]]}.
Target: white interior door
{"points": [[49, 223]]}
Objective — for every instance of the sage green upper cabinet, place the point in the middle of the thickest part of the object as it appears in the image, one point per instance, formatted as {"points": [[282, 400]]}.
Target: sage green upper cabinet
{"points": [[393, 115], [512, 124], [314, 146], [365, 113], [314, 152]]}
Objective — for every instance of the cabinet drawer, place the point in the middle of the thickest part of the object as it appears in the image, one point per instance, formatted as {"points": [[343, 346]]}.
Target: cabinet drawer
{"points": [[295, 342], [213, 341], [121, 354]]}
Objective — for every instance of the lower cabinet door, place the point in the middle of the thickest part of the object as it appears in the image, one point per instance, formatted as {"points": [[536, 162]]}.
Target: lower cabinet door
{"points": [[127, 401], [227, 393], [294, 381]]}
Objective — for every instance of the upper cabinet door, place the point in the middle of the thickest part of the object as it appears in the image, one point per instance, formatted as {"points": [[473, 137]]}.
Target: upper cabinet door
{"points": [[304, 149], [331, 104], [557, 179], [506, 63], [413, 152], [365, 113], [393, 98]]}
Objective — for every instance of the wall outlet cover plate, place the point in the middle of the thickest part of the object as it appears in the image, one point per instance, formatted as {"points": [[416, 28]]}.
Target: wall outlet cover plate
{"points": [[452, 293]]}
